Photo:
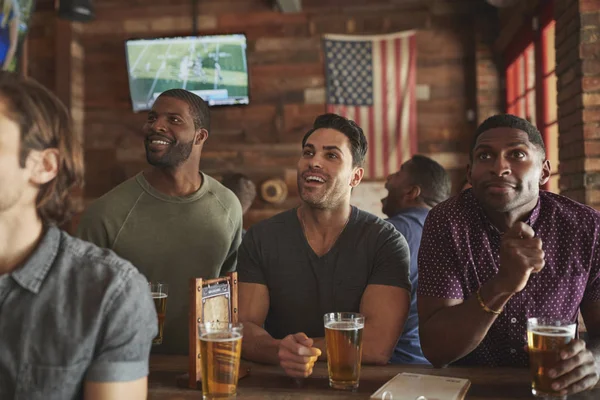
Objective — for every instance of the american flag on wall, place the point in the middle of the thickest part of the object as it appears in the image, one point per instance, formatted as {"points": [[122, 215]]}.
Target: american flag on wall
{"points": [[371, 80]]}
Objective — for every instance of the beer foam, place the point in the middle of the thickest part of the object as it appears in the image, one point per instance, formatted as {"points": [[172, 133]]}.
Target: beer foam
{"points": [[156, 295], [344, 325], [554, 331], [218, 336]]}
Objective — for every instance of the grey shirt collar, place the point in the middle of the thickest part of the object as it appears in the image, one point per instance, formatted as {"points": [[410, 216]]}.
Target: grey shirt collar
{"points": [[32, 274]]}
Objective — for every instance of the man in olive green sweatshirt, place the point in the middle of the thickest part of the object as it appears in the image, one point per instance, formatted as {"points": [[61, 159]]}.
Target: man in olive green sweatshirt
{"points": [[171, 221]]}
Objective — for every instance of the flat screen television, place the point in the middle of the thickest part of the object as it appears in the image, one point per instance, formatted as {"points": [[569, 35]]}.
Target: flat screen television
{"points": [[213, 67]]}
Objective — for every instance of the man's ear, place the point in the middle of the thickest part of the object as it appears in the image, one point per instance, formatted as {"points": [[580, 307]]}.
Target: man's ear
{"points": [[414, 192], [546, 172], [357, 176], [43, 165], [201, 136]]}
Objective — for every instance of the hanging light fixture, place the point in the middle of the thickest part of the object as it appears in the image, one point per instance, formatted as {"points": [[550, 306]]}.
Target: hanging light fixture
{"points": [[76, 10], [502, 3]]}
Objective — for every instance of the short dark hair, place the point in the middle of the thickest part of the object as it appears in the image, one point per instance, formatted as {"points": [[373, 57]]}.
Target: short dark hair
{"points": [[44, 123], [198, 107], [431, 177], [514, 122], [354, 133], [241, 186]]}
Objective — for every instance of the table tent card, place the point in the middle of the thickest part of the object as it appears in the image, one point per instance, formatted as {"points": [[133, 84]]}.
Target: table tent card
{"points": [[408, 386]]}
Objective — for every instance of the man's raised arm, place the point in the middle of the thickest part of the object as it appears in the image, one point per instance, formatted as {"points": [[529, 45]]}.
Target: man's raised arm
{"points": [[451, 328]]}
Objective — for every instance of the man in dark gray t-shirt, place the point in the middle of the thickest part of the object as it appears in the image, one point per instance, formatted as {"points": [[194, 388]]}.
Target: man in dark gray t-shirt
{"points": [[302, 286], [324, 256], [76, 321]]}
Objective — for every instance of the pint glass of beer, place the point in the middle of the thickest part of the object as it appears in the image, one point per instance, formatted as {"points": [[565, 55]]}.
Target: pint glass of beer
{"points": [[343, 335], [546, 337], [160, 293], [220, 351]]}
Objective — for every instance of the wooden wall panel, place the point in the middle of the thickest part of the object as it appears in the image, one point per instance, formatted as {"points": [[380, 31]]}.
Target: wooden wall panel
{"points": [[41, 48]]}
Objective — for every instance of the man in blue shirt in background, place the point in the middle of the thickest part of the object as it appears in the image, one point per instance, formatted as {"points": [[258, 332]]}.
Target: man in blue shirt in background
{"points": [[419, 186]]}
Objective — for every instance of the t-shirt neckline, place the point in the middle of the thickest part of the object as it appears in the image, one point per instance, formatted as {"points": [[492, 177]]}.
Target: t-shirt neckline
{"points": [[353, 213], [148, 188]]}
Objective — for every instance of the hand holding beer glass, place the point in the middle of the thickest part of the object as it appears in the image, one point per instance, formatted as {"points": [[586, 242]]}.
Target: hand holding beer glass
{"points": [[160, 293], [220, 351], [343, 335], [546, 339]]}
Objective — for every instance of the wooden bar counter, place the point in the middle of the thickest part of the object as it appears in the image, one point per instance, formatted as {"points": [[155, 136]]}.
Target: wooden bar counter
{"points": [[268, 382]]}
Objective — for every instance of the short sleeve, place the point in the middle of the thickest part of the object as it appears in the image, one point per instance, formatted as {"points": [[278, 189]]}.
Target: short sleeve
{"points": [[439, 269], [592, 290], [249, 260], [230, 263], [392, 260], [130, 323]]}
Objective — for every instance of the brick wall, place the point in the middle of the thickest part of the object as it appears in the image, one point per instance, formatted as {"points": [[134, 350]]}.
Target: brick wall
{"points": [[286, 75], [488, 66], [578, 72]]}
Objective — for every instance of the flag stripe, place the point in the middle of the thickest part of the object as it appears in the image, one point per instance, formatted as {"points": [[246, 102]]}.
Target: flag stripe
{"points": [[377, 153], [384, 106], [400, 116], [371, 139], [349, 112], [392, 96], [411, 85], [405, 112], [357, 117], [364, 123]]}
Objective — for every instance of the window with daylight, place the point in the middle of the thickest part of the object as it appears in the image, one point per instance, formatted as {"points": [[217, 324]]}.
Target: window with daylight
{"points": [[531, 82], [520, 85], [549, 123]]}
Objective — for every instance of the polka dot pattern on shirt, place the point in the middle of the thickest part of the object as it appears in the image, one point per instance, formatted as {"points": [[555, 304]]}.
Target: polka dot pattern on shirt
{"points": [[460, 252]]}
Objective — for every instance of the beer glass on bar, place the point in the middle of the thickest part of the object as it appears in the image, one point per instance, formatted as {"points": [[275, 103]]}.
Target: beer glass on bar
{"points": [[220, 351], [343, 335], [546, 337], [160, 293]]}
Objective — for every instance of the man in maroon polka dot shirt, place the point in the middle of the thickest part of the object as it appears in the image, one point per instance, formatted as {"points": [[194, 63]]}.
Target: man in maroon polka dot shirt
{"points": [[522, 251]]}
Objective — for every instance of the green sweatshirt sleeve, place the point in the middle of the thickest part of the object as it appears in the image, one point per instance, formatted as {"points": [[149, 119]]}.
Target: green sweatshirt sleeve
{"points": [[230, 263]]}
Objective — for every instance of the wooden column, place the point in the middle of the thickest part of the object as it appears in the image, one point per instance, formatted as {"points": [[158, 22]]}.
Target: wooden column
{"points": [[69, 81]]}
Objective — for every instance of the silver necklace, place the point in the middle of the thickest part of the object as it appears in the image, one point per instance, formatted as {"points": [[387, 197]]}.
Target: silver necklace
{"points": [[336, 236]]}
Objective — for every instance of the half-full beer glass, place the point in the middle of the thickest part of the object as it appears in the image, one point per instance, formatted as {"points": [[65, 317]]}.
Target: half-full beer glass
{"points": [[343, 335], [220, 351], [546, 337], [160, 293]]}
